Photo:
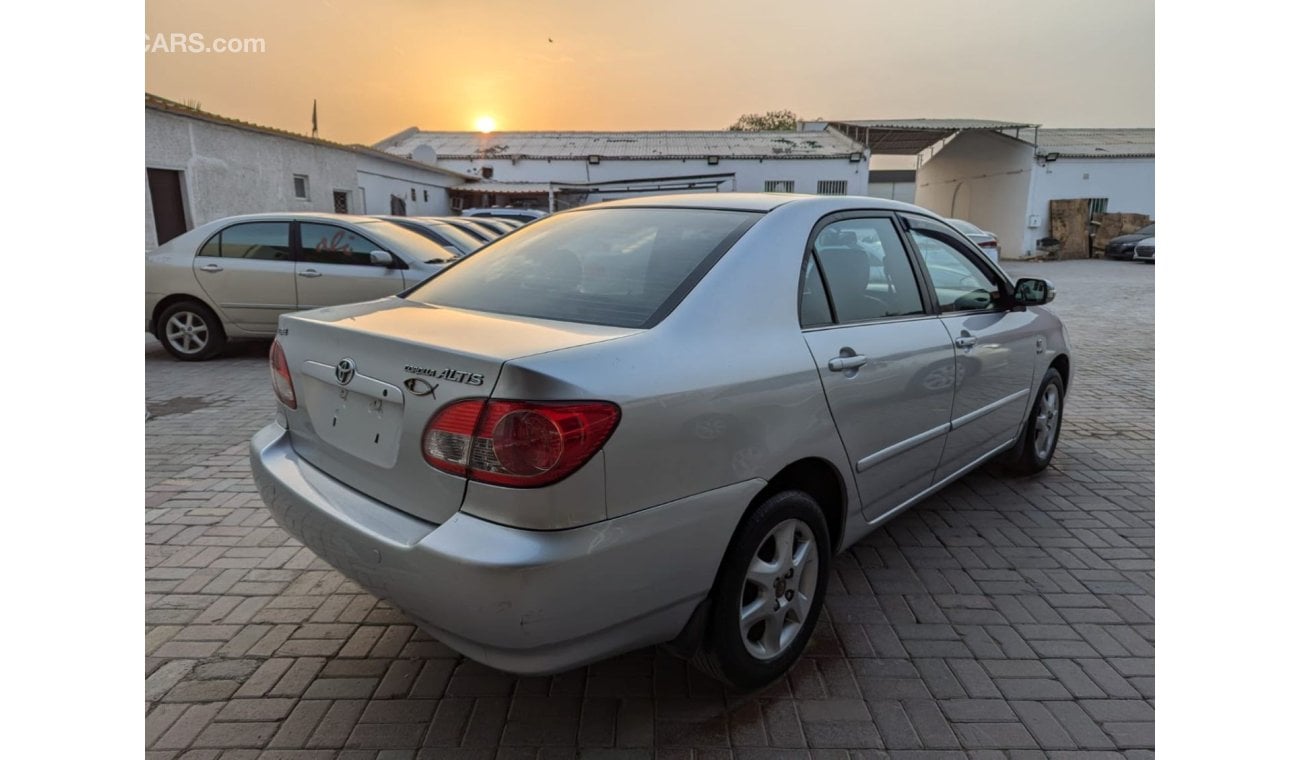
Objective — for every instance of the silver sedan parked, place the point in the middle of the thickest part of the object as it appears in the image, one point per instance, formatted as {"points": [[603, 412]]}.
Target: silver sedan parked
{"points": [[234, 277], [654, 420]]}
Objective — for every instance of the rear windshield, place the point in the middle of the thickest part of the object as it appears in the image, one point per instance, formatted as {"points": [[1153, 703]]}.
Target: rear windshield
{"points": [[623, 267]]}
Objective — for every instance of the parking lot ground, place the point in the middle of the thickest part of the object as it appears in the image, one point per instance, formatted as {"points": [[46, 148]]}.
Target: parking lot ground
{"points": [[999, 618]]}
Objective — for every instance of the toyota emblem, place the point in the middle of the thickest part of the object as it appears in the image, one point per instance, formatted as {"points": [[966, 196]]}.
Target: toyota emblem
{"points": [[344, 371]]}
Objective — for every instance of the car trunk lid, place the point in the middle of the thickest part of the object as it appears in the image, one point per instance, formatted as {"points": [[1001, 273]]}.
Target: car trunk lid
{"points": [[369, 376]]}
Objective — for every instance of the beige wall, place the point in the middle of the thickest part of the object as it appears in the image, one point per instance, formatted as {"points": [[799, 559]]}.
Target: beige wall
{"points": [[984, 178]]}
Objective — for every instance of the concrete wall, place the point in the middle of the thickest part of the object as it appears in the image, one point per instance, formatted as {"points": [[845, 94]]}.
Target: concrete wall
{"points": [[750, 174], [228, 171], [1127, 184], [380, 180], [984, 178]]}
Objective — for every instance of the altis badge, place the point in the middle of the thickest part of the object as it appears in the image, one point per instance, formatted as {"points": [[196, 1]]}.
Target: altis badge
{"points": [[448, 374]]}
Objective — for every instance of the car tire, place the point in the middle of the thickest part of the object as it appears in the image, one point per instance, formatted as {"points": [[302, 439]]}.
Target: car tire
{"points": [[190, 331], [788, 534], [1033, 452]]}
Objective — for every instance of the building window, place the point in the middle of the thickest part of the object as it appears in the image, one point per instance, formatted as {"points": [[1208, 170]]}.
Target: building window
{"points": [[412, 194], [488, 172], [340, 201], [778, 186], [832, 187], [457, 203], [300, 187], [426, 196]]}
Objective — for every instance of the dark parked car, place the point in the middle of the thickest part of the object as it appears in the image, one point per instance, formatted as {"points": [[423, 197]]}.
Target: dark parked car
{"points": [[1121, 246]]}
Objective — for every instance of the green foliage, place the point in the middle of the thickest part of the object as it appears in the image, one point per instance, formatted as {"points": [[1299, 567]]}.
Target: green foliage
{"points": [[772, 121]]}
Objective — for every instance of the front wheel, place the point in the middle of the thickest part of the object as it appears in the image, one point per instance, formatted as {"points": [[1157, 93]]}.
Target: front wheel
{"points": [[1042, 431], [768, 593]]}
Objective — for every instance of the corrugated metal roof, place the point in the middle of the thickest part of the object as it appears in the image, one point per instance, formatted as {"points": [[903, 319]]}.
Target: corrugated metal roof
{"points": [[1098, 143], [625, 145]]}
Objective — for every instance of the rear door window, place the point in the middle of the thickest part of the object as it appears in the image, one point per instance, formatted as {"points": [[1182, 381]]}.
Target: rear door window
{"points": [[623, 267], [867, 270], [268, 241]]}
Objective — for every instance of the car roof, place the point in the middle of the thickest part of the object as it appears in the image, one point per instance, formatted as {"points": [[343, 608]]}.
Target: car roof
{"points": [[762, 202], [314, 215]]}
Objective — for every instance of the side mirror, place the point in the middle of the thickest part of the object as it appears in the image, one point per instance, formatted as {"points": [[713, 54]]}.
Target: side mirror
{"points": [[1031, 291], [381, 258]]}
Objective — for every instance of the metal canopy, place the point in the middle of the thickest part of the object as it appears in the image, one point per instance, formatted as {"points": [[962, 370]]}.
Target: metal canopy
{"points": [[908, 137]]}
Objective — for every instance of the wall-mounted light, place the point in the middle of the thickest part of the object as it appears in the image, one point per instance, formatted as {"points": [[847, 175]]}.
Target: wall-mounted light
{"points": [[1051, 156], [855, 158], [713, 160], [593, 159]]}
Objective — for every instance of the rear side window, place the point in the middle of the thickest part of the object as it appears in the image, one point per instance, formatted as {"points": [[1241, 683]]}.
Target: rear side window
{"points": [[623, 267], [867, 270], [268, 241], [814, 307]]}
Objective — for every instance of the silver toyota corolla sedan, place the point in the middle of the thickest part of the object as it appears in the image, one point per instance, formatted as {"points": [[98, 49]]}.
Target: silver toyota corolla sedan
{"points": [[654, 420], [234, 277]]}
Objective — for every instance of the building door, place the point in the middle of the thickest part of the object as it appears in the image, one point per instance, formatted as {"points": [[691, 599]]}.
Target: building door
{"points": [[396, 205], [168, 204]]}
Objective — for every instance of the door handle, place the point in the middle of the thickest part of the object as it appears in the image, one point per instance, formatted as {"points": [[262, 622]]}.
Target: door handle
{"points": [[965, 341], [309, 273], [841, 363], [210, 268]]}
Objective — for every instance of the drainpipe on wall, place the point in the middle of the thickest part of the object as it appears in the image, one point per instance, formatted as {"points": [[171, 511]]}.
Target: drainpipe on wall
{"points": [[550, 197]]}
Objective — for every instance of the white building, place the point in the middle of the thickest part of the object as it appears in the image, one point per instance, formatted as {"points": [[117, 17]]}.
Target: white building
{"points": [[1004, 184], [552, 170], [1002, 175], [201, 166]]}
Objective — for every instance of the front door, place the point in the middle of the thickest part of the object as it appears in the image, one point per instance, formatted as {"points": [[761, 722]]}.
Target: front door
{"points": [[247, 271], [996, 346], [334, 268], [886, 363]]}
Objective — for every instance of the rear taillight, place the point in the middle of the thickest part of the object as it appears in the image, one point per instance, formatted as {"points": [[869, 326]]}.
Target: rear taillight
{"points": [[989, 244], [280, 379], [523, 444]]}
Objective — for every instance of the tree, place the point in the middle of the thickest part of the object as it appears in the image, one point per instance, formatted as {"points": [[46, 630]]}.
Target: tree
{"points": [[772, 121]]}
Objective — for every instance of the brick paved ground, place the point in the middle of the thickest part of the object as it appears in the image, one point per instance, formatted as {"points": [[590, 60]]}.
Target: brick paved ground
{"points": [[1000, 618]]}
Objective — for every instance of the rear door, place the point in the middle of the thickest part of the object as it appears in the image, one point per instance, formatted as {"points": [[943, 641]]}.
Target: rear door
{"points": [[247, 271], [334, 267], [996, 345], [886, 361]]}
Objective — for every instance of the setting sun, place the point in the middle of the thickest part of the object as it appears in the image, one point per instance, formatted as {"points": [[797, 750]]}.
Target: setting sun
{"points": [[485, 124]]}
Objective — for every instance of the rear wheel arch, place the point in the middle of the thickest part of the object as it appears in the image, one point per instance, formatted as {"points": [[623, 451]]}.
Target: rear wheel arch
{"points": [[820, 480]]}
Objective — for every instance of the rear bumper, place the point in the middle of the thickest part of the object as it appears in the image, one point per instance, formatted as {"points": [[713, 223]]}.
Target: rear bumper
{"points": [[524, 601]]}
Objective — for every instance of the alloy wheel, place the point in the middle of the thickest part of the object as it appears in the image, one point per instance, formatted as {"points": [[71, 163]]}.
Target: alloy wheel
{"points": [[1048, 421], [779, 588], [187, 332]]}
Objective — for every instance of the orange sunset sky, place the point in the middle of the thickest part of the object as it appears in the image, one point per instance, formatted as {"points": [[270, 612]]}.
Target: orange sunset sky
{"points": [[378, 67]]}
